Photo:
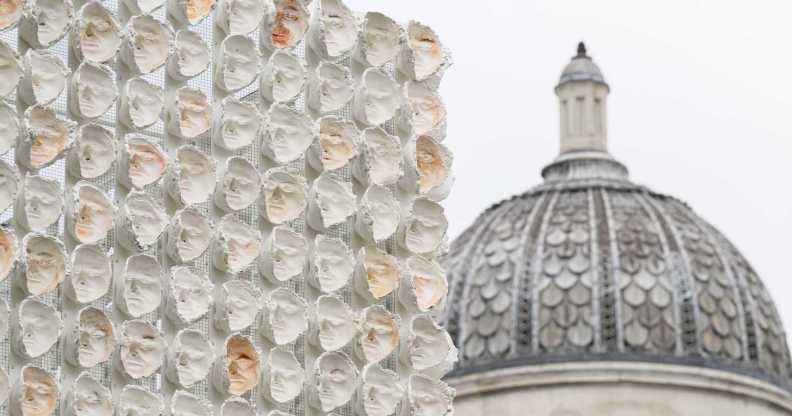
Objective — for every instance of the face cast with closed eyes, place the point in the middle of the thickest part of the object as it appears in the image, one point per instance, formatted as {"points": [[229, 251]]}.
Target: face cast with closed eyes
{"points": [[42, 202], [380, 392], [291, 22], [239, 306], [93, 90], [428, 396], [236, 245], [190, 357], [242, 365], [39, 328], [142, 348], [146, 161], [283, 196], [189, 235], [91, 273], [96, 338], [93, 214], [380, 333], [335, 323], [190, 294], [37, 392], [426, 50], [381, 38], [142, 290], [89, 398], [45, 259], [335, 380], [240, 185], [286, 316], [286, 377]]}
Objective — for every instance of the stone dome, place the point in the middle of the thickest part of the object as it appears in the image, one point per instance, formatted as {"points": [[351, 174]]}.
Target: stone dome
{"points": [[582, 68], [589, 266]]}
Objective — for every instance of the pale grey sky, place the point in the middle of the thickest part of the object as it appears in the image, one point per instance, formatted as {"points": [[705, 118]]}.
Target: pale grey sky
{"points": [[700, 105]]}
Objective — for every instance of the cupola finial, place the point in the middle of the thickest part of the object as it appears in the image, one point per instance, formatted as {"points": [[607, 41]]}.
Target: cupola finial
{"points": [[581, 50]]}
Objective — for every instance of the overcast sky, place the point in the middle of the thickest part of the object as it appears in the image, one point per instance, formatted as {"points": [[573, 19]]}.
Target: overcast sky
{"points": [[700, 105]]}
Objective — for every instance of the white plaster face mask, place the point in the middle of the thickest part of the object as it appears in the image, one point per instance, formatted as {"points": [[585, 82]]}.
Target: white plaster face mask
{"points": [[424, 55], [236, 245], [11, 70], [332, 264], [189, 296], [283, 256], [37, 330], [334, 380], [9, 185], [288, 134], [237, 125], [282, 78], [189, 115], [141, 104], [92, 341], [144, 220], [8, 252], [88, 397], [378, 216], [237, 307], [380, 333], [141, 350], [190, 57], [285, 25], [142, 163], [45, 77], [334, 323], [331, 202], [46, 137], [189, 235], [147, 44], [91, 274], [44, 259], [337, 145], [191, 179], [283, 376], [424, 111], [89, 214], [93, 153], [333, 33], [237, 371], [137, 7], [93, 90], [427, 285], [380, 39], [376, 98], [424, 228], [190, 12], [190, 358], [10, 13], [430, 397], [236, 406], [46, 22], [186, 404], [330, 87], [377, 273], [380, 393], [284, 317], [428, 167], [380, 161], [239, 17], [39, 203], [137, 401], [283, 196], [141, 291], [237, 64], [97, 34], [239, 187], [9, 126], [428, 347], [35, 393]]}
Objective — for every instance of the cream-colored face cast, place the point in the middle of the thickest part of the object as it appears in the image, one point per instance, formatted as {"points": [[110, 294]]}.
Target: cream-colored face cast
{"points": [[284, 376], [92, 213], [45, 77], [428, 396], [10, 12], [288, 25], [377, 273], [381, 161], [283, 196], [380, 39], [424, 229], [238, 307], [377, 98], [424, 111], [144, 221], [93, 90], [337, 145], [430, 164], [141, 292], [96, 339], [335, 378], [93, 153], [330, 87], [282, 78], [89, 397], [190, 115], [45, 261], [427, 286], [236, 245], [8, 252], [137, 401], [46, 22], [241, 360], [285, 317], [284, 255], [191, 56], [190, 294], [36, 393], [378, 216], [91, 273], [145, 162], [239, 187], [425, 49], [288, 134], [40, 203], [240, 17], [379, 333], [189, 358], [11, 70], [48, 135], [9, 185], [429, 345], [38, 329], [189, 235], [336, 325], [142, 349], [147, 44], [331, 202], [237, 64], [141, 104], [190, 12], [334, 34], [237, 125], [98, 36], [332, 264], [192, 176], [380, 391]]}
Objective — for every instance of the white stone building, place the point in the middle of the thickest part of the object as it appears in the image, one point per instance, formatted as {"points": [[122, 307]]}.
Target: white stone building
{"points": [[590, 295]]}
